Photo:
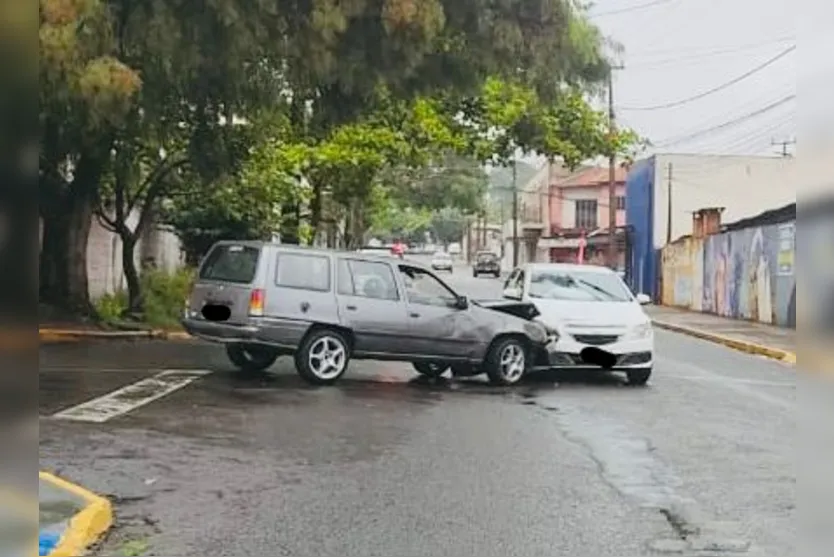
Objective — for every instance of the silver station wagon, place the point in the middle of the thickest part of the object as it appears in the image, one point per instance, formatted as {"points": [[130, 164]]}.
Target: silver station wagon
{"points": [[324, 308]]}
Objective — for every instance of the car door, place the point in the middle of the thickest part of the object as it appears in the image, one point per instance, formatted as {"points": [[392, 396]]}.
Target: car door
{"points": [[371, 305], [438, 328]]}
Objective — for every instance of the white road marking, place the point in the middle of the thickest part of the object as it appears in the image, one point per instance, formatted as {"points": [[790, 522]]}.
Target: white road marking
{"points": [[131, 397]]}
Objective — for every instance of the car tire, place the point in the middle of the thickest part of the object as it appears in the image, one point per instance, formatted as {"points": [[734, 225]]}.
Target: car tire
{"points": [[431, 369], [506, 361], [475, 274], [251, 358], [497, 274], [323, 357], [638, 377]]}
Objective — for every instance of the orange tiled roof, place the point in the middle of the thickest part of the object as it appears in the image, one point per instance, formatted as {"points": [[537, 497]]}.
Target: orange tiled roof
{"points": [[593, 176]]}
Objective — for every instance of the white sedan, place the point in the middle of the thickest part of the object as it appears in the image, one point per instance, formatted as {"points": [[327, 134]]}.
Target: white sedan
{"points": [[598, 321], [442, 261]]}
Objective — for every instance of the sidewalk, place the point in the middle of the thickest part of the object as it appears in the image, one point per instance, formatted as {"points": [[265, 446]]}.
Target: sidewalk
{"points": [[755, 338]]}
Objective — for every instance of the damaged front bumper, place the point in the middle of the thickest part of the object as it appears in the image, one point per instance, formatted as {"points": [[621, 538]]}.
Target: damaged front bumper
{"points": [[568, 353]]}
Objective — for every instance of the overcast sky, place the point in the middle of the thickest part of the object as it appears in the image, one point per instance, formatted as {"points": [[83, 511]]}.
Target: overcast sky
{"points": [[677, 49]]}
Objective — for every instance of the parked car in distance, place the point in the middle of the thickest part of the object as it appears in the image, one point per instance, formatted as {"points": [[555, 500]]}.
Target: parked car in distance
{"points": [[599, 321], [486, 263], [264, 300], [455, 248], [442, 261]]}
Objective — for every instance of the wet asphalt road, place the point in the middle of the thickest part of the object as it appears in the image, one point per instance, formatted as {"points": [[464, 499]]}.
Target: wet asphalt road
{"points": [[385, 464]]}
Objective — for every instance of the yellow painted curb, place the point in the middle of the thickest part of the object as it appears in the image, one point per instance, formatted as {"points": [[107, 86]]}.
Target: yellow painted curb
{"points": [[86, 527], [49, 336], [740, 345]]}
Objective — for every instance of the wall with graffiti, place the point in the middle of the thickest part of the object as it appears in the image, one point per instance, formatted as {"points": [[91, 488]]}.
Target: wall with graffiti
{"points": [[744, 274]]}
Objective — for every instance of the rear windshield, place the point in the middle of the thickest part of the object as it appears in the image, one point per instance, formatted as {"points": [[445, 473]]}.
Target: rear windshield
{"points": [[487, 257], [229, 263]]}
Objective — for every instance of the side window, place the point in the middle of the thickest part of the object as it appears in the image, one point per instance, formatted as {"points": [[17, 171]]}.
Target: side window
{"points": [[302, 271], [370, 280], [344, 278], [425, 289]]}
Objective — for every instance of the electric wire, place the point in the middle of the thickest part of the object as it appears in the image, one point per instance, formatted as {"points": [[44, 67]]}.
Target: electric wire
{"points": [[714, 90]]}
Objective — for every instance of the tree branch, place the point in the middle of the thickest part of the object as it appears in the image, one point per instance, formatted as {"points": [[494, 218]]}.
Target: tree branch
{"points": [[156, 177]]}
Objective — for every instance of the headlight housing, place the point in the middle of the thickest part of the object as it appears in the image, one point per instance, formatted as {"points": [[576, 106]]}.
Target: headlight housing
{"points": [[641, 331]]}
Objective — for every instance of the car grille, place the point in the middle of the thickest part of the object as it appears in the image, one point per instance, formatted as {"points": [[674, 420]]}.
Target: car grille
{"points": [[596, 340]]}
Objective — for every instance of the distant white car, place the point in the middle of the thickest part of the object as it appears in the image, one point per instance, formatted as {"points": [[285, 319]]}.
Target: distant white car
{"points": [[598, 321], [442, 261], [455, 248]]}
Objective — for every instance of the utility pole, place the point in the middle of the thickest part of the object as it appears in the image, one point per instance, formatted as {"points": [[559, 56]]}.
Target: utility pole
{"points": [[669, 205], [784, 145], [515, 214], [612, 175]]}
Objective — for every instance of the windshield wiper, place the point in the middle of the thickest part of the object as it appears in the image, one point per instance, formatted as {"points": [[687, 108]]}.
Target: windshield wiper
{"points": [[599, 289]]}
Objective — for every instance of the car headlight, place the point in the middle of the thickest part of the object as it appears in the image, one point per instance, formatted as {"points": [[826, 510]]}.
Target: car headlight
{"points": [[643, 330]]}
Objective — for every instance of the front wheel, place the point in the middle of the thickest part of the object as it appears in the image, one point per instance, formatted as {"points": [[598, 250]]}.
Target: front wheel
{"points": [[251, 358], [638, 377], [506, 361], [322, 357], [430, 369]]}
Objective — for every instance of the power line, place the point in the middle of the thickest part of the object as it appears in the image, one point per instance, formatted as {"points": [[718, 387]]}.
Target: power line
{"points": [[634, 8], [676, 60], [721, 87], [717, 49], [728, 124]]}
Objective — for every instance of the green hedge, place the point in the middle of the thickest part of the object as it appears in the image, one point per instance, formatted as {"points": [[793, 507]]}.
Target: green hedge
{"points": [[164, 295]]}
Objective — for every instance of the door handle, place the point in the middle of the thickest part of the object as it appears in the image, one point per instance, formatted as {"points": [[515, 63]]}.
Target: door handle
{"points": [[414, 315], [305, 307], [350, 308]]}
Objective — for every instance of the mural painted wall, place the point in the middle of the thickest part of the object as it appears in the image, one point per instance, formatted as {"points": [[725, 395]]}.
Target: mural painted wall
{"points": [[744, 274]]}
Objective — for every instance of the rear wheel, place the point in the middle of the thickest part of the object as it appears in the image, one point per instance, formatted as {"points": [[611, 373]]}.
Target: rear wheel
{"points": [[430, 369], [506, 361], [251, 358], [322, 357], [475, 274], [638, 377]]}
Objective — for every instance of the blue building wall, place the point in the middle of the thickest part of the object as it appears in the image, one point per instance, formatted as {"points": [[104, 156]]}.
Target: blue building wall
{"points": [[642, 267]]}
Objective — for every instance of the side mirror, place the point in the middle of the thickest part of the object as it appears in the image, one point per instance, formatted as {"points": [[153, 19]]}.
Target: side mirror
{"points": [[462, 303], [643, 299]]}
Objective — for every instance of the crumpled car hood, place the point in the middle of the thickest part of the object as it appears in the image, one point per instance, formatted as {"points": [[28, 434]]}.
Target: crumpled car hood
{"points": [[523, 310]]}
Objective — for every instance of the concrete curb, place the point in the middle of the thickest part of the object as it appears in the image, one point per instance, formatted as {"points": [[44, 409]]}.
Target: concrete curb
{"points": [[87, 526], [47, 336], [740, 345]]}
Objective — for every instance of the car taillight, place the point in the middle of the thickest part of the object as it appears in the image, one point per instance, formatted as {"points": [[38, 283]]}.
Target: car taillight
{"points": [[256, 302]]}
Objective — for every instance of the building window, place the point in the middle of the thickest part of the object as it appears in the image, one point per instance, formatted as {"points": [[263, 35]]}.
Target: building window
{"points": [[621, 203], [586, 214]]}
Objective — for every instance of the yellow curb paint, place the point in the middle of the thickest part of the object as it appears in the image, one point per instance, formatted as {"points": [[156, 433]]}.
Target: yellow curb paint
{"points": [[48, 336], [740, 345], [86, 527]]}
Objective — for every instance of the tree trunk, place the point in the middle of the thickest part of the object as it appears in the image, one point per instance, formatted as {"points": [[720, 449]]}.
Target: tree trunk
{"points": [[315, 211], [134, 286], [67, 211], [63, 259], [289, 224]]}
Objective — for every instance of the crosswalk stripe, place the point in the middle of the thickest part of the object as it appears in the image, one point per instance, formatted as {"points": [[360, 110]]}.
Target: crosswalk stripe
{"points": [[131, 397]]}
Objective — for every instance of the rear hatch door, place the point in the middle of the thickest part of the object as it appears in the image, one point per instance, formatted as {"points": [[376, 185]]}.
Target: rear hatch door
{"points": [[227, 278]]}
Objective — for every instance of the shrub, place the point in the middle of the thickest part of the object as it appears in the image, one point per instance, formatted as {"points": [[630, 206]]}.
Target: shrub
{"points": [[111, 307], [165, 295]]}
